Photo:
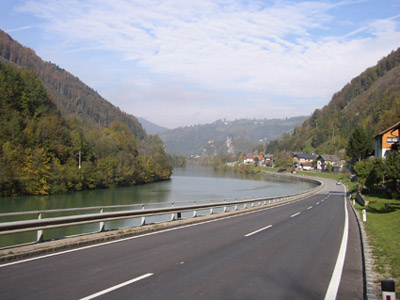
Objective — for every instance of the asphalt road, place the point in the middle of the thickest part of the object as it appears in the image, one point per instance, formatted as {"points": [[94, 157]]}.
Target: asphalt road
{"points": [[285, 252]]}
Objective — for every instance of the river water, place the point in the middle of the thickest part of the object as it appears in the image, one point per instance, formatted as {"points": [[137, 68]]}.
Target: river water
{"points": [[192, 183]]}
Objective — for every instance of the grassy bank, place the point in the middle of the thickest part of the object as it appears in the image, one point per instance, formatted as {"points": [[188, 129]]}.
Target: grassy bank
{"points": [[382, 227], [383, 230]]}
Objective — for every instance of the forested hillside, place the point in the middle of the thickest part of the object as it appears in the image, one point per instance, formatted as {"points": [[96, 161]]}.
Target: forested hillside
{"points": [[71, 95], [222, 137], [43, 140], [371, 101]]}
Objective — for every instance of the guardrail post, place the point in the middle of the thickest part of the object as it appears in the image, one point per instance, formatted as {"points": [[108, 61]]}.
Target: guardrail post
{"points": [[143, 219], [235, 207], [173, 214], [39, 233], [225, 208], [194, 212], [101, 224], [211, 209]]}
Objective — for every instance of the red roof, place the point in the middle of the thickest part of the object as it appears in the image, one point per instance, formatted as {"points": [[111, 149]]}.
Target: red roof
{"points": [[260, 157]]}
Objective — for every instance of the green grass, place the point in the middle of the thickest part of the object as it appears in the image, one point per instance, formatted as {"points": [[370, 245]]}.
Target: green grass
{"points": [[335, 176], [269, 169], [383, 230]]}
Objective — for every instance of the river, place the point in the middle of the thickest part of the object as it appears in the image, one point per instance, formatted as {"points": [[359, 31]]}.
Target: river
{"points": [[193, 183]]}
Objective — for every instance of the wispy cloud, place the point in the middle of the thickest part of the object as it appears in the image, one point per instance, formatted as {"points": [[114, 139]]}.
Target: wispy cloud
{"points": [[18, 29], [287, 48]]}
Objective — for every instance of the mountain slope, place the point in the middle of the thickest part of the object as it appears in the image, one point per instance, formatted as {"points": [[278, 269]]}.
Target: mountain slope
{"points": [[150, 127], [371, 100], [48, 118], [222, 137], [43, 153], [72, 96]]}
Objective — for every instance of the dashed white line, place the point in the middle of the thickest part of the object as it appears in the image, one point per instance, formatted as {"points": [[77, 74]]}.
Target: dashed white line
{"points": [[118, 286], [317, 203], [257, 231], [309, 207], [296, 214]]}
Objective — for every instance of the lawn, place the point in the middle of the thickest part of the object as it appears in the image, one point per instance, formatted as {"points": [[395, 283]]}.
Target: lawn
{"points": [[383, 230]]}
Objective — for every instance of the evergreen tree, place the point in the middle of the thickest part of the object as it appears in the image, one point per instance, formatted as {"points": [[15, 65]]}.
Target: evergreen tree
{"points": [[392, 168], [359, 145]]}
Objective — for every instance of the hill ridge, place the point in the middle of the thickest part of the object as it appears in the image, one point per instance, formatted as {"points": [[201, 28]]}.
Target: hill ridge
{"points": [[370, 100], [72, 96], [223, 137]]}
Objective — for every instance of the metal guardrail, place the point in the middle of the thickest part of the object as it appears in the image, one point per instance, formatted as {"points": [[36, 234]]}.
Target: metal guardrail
{"points": [[101, 217]]}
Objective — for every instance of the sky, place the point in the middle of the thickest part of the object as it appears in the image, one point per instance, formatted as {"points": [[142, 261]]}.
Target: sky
{"points": [[179, 63]]}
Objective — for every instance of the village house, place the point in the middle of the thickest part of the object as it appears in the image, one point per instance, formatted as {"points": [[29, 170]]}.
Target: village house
{"points": [[259, 159], [253, 158], [326, 160], [303, 161], [268, 159], [385, 140], [248, 159]]}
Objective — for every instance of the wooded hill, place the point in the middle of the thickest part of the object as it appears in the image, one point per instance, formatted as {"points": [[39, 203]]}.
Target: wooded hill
{"points": [[48, 119], [371, 101], [72, 96], [223, 137]]}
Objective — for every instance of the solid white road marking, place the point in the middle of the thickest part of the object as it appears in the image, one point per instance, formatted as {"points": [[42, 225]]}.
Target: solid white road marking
{"points": [[257, 231], [118, 286], [296, 214], [337, 272]]}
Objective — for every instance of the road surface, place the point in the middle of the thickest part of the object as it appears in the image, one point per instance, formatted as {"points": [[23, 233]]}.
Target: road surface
{"points": [[308, 249]]}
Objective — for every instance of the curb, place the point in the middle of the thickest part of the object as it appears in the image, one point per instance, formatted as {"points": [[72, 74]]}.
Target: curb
{"points": [[369, 274]]}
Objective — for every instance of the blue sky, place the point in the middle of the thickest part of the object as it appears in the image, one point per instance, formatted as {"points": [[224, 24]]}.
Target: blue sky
{"points": [[179, 63]]}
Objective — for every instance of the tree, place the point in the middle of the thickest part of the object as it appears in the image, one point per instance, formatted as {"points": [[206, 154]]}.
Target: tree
{"points": [[363, 169], [284, 160], [359, 145], [392, 168], [377, 173]]}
